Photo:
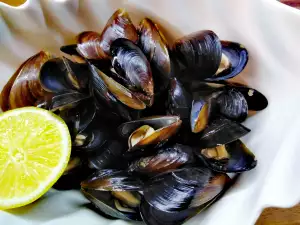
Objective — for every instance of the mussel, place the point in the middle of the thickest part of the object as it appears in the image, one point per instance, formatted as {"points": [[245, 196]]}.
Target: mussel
{"points": [[199, 54], [233, 105], [92, 45], [154, 45], [234, 60], [107, 156], [167, 158], [103, 96], [115, 193], [120, 205], [78, 118], [131, 63], [152, 131], [112, 180], [256, 101], [67, 81], [123, 94], [183, 189], [179, 100], [61, 75], [233, 157], [24, 88], [221, 131]]}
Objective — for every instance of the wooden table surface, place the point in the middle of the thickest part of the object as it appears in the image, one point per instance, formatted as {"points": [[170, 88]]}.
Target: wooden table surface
{"points": [[270, 216]]}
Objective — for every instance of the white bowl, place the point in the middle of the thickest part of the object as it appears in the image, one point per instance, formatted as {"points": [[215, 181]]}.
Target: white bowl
{"points": [[270, 31]]}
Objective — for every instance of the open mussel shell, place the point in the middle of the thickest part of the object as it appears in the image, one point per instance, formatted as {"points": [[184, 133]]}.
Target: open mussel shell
{"points": [[24, 88], [199, 54], [67, 100], [123, 94], [167, 158], [149, 131], [61, 75], [183, 188], [256, 100], [233, 157], [234, 60], [154, 45], [221, 131], [92, 45], [179, 100], [112, 180], [103, 96], [203, 108], [115, 204], [233, 105], [90, 140], [199, 115], [107, 156], [79, 117], [130, 62]]}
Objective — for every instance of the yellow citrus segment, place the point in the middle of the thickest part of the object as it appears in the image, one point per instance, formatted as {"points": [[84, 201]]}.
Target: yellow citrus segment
{"points": [[35, 147]]}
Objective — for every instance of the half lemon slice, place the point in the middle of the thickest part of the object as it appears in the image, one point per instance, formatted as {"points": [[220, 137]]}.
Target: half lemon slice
{"points": [[35, 147]]}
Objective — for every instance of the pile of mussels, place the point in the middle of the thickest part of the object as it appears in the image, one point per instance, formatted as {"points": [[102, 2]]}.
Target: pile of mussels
{"points": [[155, 129]]}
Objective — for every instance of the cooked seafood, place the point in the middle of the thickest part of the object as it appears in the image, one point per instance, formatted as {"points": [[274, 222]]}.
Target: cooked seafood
{"points": [[154, 128]]}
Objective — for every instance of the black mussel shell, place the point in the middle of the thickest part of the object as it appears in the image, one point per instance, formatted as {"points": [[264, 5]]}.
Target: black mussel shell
{"points": [[109, 205], [95, 46], [203, 108], [153, 216], [54, 76], [199, 54], [233, 157], [179, 100], [183, 189], [70, 49], [256, 101], [95, 135], [221, 131], [79, 117], [163, 128], [107, 156], [236, 57], [104, 97], [199, 115], [130, 62], [61, 75], [233, 105], [90, 140], [123, 94], [112, 180], [157, 122], [67, 100], [154, 45], [167, 158], [72, 53]]}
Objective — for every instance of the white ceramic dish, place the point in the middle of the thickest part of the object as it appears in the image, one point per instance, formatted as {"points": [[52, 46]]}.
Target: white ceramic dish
{"points": [[267, 28]]}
